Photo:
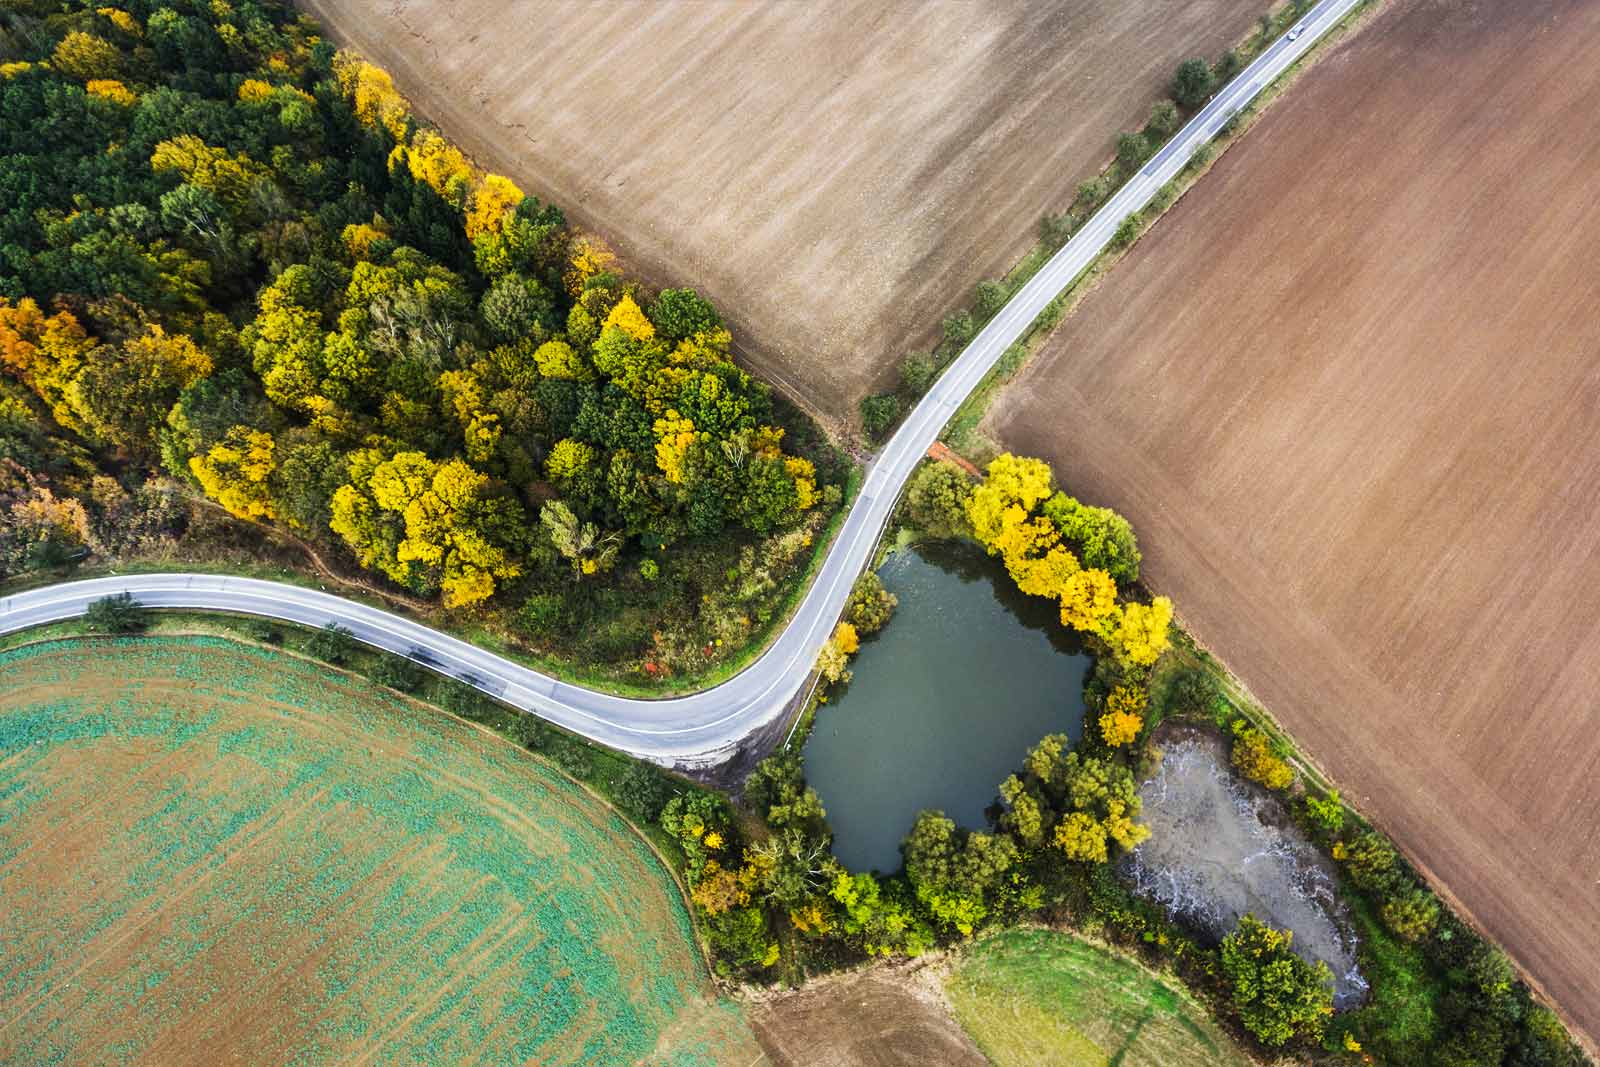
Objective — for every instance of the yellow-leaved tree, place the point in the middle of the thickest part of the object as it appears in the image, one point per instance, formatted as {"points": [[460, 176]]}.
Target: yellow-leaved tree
{"points": [[630, 319], [234, 472], [492, 203], [1124, 715], [1144, 632]]}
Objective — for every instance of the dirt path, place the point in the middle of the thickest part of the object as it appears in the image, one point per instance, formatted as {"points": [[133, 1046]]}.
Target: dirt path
{"points": [[1346, 393]]}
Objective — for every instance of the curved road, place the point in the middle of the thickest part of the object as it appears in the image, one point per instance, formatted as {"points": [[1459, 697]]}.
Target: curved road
{"points": [[706, 727]]}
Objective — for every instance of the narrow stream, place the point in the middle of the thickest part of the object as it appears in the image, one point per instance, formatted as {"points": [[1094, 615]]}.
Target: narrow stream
{"points": [[945, 702]]}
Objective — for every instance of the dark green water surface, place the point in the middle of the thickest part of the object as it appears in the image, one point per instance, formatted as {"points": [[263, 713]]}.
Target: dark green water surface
{"points": [[945, 702]]}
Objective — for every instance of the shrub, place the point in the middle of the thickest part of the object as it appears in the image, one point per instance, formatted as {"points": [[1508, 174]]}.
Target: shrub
{"points": [[1132, 149], [871, 605], [1279, 997], [1089, 193], [467, 702], [1371, 862], [397, 672], [1127, 230], [571, 756], [1193, 692], [1228, 64], [1193, 83], [1412, 915], [991, 297], [1254, 758], [1054, 230], [1326, 812], [649, 570], [643, 791], [1163, 119], [878, 414], [936, 500], [264, 631], [332, 644], [958, 329], [119, 614], [916, 373], [533, 732]]}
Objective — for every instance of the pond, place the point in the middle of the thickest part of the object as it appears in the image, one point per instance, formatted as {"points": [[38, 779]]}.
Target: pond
{"points": [[945, 702], [1220, 847]]}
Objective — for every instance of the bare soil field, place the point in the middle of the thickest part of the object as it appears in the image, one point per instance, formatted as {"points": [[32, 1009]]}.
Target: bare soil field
{"points": [[1347, 392], [211, 853], [836, 175], [889, 1016]]}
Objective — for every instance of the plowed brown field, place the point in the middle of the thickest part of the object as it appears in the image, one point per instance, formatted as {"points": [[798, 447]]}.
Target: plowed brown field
{"points": [[836, 174], [1349, 394]]}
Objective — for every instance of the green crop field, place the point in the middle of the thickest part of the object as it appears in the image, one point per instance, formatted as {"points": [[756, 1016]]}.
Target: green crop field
{"points": [[1034, 996], [212, 852]]}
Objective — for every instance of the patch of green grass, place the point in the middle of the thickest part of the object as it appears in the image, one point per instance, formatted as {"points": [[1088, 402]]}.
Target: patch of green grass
{"points": [[1401, 1017], [1038, 996]]}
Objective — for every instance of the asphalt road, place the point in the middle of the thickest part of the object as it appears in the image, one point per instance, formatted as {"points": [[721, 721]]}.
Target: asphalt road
{"points": [[706, 727]]}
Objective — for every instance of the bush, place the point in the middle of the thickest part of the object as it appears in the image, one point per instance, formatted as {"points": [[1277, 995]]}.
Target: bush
{"points": [[1326, 812], [936, 500], [467, 702], [958, 329], [1054, 230], [991, 297], [571, 756], [871, 605], [262, 630], [119, 614], [1227, 66], [916, 373], [1412, 915], [1193, 84], [1132, 150], [543, 615], [1163, 119], [1254, 758], [1090, 193], [1193, 692], [397, 672], [643, 791], [1279, 996], [1127, 230], [878, 414], [533, 732], [332, 644]]}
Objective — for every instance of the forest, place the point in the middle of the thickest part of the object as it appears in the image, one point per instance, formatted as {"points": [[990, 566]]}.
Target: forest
{"points": [[235, 268]]}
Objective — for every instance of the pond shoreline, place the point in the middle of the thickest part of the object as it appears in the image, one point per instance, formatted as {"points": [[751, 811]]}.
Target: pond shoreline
{"points": [[945, 701]]}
